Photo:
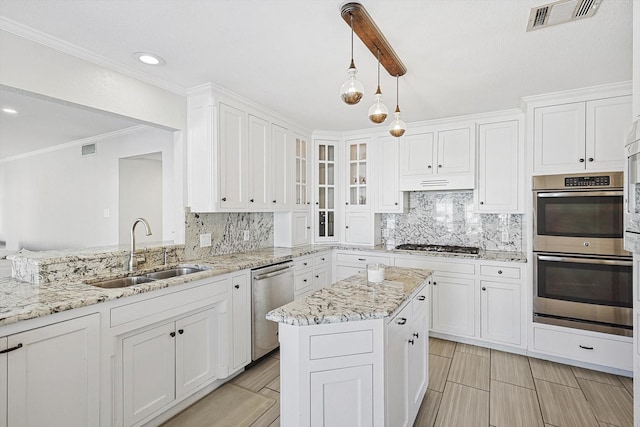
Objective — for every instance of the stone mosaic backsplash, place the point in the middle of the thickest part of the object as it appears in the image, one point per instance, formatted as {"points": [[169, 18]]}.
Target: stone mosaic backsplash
{"points": [[448, 218], [227, 232]]}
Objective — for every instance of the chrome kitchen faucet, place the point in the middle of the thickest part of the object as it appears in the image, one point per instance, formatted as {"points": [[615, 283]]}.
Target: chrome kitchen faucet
{"points": [[132, 262]]}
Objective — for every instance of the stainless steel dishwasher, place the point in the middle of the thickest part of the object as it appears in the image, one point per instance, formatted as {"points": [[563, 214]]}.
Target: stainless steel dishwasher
{"points": [[272, 287]]}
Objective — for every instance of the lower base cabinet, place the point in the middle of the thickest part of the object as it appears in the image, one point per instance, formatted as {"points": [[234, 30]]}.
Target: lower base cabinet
{"points": [[50, 376], [453, 305], [500, 312], [166, 362]]}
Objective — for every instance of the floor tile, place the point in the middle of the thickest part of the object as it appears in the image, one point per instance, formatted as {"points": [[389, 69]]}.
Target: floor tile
{"points": [[564, 406], [258, 376], [275, 384], [610, 404], [463, 406], [601, 377], [428, 409], [441, 347], [471, 370], [438, 371], [511, 368], [473, 349], [552, 372], [511, 405], [627, 383], [272, 414]]}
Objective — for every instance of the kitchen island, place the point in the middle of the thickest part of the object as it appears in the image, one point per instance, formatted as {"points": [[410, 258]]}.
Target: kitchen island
{"points": [[355, 353]]}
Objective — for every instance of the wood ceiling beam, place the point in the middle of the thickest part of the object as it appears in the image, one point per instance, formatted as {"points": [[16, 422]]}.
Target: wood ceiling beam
{"points": [[372, 37]]}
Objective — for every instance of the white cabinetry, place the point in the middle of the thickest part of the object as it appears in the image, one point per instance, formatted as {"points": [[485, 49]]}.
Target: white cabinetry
{"points": [[438, 158], [166, 362], [312, 272], [240, 346], [50, 375], [281, 181], [454, 307], [325, 178], [389, 198], [397, 369], [259, 164], [580, 136], [233, 164], [500, 167], [349, 263]]}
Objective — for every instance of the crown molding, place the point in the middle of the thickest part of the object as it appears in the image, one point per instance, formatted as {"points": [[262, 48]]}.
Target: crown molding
{"points": [[83, 141], [86, 55], [577, 95]]}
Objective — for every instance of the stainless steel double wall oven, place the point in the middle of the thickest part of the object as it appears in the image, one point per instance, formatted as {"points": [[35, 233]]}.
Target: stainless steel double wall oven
{"points": [[582, 274]]}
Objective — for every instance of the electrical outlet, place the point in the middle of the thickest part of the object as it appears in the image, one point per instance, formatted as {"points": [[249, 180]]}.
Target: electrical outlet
{"points": [[505, 236], [385, 233], [245, 235], [205, 240]]}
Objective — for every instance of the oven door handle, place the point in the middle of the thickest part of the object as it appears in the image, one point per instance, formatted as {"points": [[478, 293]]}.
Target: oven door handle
{"points": [[579, 193], [622, 263]]}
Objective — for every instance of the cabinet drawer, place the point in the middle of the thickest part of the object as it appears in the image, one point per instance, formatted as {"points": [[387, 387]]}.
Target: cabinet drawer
{"points": [[435, 265], [590, 349], [499, 271], [342, 271], [322, 260], [361, 260], [303, 281], [302, 263], [168, 303], [340, 344], [420, 301]]}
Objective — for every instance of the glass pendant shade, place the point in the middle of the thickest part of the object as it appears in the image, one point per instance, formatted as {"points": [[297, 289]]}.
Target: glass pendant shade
{"points": [[397, 127], [378, 112], [352, 90]]}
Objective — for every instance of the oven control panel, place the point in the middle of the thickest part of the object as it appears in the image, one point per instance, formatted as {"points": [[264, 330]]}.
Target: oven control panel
{"points": [[587, 181]]}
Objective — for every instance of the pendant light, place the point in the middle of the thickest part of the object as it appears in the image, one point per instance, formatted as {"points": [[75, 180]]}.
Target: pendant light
{"points": [[397, 127], [352, 90], [378, 112]]}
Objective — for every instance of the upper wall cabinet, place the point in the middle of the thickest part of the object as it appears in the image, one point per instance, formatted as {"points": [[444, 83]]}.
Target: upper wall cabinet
{"points": [[438, 159], [238, 159], [358, 176], [500, 167], [581, 136], [388, 197]]}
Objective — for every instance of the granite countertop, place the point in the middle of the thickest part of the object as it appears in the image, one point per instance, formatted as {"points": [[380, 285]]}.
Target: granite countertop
{"points": [[20, 300], [500, 256], [353, 299]]}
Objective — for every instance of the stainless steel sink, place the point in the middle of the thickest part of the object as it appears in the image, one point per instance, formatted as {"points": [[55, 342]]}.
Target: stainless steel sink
{"points": [[173, 272], [123, 282]]}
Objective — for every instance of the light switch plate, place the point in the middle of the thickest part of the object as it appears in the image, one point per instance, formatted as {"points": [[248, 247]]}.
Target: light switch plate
{"points": [[205, 240], [245, 235]]}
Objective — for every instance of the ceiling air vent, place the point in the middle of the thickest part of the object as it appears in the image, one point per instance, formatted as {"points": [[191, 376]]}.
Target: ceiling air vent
{"points": [[561, 11], [89, 149]]}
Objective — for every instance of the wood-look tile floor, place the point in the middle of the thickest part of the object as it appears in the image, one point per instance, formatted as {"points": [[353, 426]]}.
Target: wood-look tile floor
{"points": [[474, 386]]}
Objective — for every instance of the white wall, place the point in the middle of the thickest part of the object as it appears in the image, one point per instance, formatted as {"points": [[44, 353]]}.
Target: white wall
{"points": [[57, 199]]}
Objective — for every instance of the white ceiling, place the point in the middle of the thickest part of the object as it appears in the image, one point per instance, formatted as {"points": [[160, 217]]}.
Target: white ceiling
{"points": [[462, 56]]}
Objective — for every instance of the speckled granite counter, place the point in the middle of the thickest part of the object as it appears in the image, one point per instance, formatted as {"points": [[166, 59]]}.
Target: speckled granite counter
{"points": [[353, 299], [500, 256]]}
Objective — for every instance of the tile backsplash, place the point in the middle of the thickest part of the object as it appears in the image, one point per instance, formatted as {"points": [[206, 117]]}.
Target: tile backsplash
{"points": [[227, 232], [448, 218]]}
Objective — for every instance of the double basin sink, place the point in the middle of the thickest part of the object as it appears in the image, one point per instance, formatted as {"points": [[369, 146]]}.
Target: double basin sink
{"points": [[124, 282]]}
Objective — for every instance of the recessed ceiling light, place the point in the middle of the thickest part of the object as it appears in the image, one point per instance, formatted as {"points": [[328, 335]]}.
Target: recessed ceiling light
{"points": [[9, 111], [149, 58]]}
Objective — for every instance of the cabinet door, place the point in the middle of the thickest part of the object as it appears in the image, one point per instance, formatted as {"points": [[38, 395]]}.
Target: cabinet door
{"points": [[558, 138], [500, 314], [259, 164], [453, 305], [455, 151], [388, 197], [608, 121], [148, 360], [397, 369], [357, 192], [241, 322], [320, 279], [498, 161], [342, 397], [196, 346], [416, 155], [3, 383], [418, 365], [281, 157], [325, 179], [301, 196], [233, 163], [301, 228], [359, 228], [55, 376]]}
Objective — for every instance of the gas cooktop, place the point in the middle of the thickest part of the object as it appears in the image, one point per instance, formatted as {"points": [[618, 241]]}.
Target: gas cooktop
{"points": [[467, 250]]}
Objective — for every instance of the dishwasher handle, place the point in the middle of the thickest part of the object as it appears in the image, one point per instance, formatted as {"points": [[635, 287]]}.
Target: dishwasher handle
{"points": [[272, 273]]}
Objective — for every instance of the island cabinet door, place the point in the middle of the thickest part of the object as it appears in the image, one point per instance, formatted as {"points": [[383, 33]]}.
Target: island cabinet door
{"points": [[3, 383], [418, 366], [342, 397], [396, 369], [53, 375]]}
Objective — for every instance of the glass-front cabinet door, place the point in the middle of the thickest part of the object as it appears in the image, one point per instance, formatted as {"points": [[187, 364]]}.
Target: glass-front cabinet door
{"points": [[301, 186], [357, 173], [325, 170]]}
